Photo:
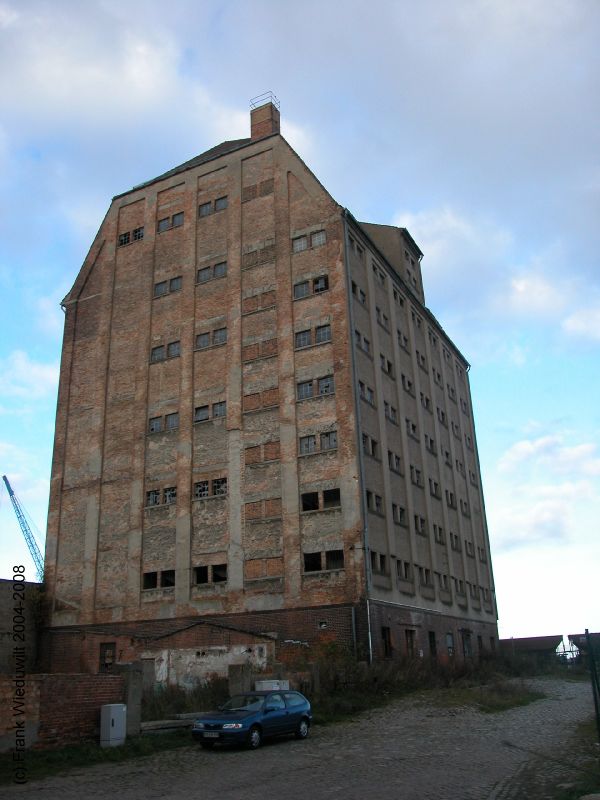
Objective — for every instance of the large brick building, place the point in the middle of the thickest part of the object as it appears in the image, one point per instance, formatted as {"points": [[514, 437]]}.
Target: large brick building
{"points": [[261, 427]]}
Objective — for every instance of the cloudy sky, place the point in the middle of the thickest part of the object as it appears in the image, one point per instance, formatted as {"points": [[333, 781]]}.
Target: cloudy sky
{"points": [[475, 123]]}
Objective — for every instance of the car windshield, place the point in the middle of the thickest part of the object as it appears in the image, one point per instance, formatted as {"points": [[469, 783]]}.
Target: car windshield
{"points": [[245, 702]]}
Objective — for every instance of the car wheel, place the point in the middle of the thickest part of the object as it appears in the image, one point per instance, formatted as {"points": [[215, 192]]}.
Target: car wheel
{"points": [[254, 738], [303, 729], [207, 745]]}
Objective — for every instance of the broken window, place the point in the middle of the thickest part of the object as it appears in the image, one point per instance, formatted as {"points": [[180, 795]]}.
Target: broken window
{"points": [[200, 489], [167, 577], [334, 559], [138, 233], [326, 385], [150, 580], [329, 440], [155, 425], [219, 573], [201, 413], [219, 486], [219, 409], [409, 634], [320, 284], [153, 497], [331, 498], [386, 638], [310, 501], [304, 390], [123, 239], [170, 494], [312, 562], [200, 574]]}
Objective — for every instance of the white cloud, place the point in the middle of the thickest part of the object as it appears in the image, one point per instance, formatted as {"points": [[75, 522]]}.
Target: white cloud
{"points": [[535, 294], [25, 378], [552, 455], [584, 323]]}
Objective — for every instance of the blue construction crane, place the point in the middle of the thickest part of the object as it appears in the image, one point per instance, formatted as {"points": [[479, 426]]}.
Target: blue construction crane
{"points": [[31, 542]]}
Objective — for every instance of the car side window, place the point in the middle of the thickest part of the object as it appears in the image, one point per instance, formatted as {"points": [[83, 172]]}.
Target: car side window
{"points": [[292, 699], [275, 701]]}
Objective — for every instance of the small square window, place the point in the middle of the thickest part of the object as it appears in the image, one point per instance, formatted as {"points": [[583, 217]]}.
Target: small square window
{"points": [[334, 559], [219, 571], [219, 486], [301, 290], [331, 498], [161, 288], [167, 577], [220, 336], [312, 562], [178, 219], [308, 444], [138, 233], [320, 284], [170, 494], [310, 501], [200, 575], [219, 409], [153, 497], [304, 390], [172, 421], [303, 339], [204, 274], [317, 239], [164, 224], [322, 334], [299, 244], [155, 425], [205, 209], [123, 239], [173, 349], [150, 580], [221, 203], [201, 413], [326, 385], [175, 284], [329, 440], [220, 269], [158, 353], [200, 489], [202, 340]]}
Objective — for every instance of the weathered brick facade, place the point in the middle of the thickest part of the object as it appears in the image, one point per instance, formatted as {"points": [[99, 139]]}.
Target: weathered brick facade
{"points": [[259, 420]]}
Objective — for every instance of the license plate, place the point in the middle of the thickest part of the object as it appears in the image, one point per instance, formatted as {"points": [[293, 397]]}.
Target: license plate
{"points": [[211, 735]]}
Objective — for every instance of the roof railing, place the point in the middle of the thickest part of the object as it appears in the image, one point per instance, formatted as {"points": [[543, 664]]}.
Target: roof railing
{"points": [[263, 99]]}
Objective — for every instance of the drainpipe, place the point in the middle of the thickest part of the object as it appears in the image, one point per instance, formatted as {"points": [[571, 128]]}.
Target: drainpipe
{"points": [[361, 471]]}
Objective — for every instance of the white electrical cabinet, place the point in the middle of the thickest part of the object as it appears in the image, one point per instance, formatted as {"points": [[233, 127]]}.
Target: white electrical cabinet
{"points": [[113, 724], [266, 686]]}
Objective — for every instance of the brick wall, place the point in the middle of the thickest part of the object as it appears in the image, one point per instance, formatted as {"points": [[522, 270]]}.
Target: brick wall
{"points": [[60, 709]]}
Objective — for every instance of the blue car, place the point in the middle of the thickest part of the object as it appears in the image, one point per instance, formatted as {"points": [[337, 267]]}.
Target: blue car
{"points": [[250, 718]]}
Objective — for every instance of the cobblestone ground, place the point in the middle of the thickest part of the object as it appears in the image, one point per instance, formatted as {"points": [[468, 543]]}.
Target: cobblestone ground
{"points": [[410, 750]]}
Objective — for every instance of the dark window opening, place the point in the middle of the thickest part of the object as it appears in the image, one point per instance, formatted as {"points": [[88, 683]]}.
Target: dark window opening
{"points": [[334, 559], [331, 498], [150, 580], [167, 578], [201, 413], [200, 575], [312, 562], [219, 573], [386, 638], [310, 501]]}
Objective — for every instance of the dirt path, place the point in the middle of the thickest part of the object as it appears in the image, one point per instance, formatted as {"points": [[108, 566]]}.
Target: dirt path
{"points": [[410, 750]]}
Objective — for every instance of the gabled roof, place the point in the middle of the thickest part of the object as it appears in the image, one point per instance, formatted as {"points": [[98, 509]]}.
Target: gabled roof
{"points": [[208, 155]]}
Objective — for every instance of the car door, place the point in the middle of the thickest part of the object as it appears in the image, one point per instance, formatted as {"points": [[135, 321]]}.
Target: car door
{"points": [[275, 719], [296, 706]]}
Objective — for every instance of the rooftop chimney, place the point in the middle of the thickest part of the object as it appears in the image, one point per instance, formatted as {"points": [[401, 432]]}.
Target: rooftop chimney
{"points": [[264, 115]]}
